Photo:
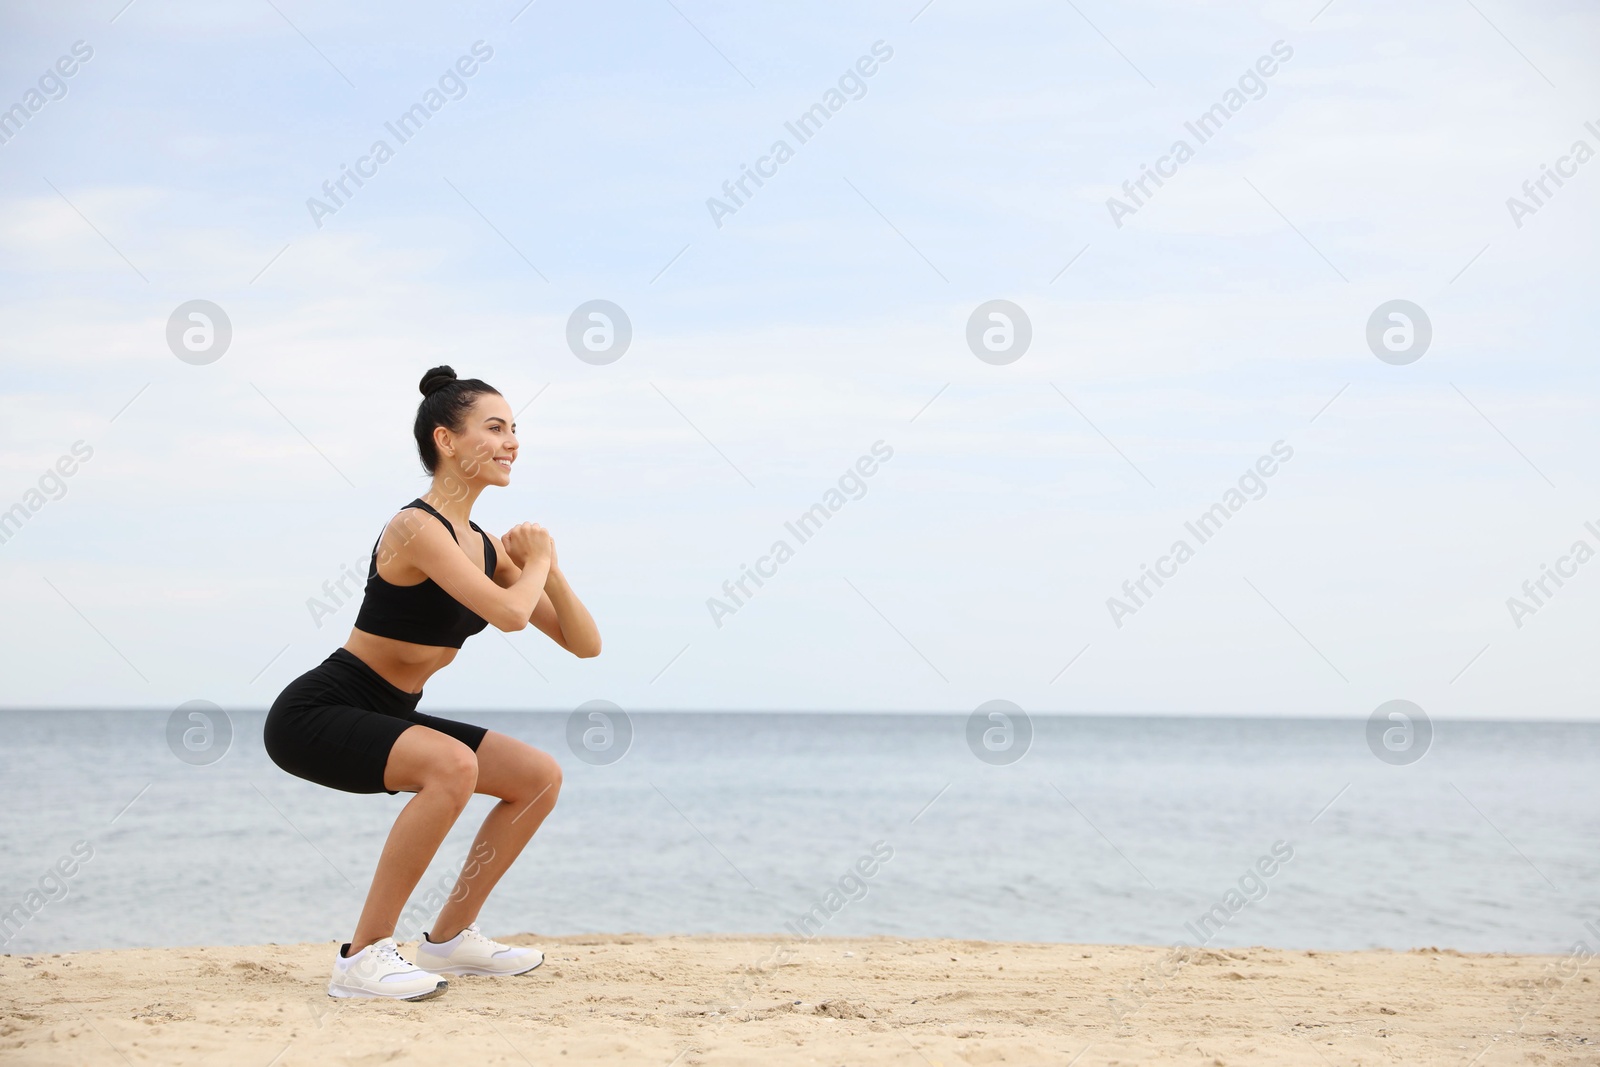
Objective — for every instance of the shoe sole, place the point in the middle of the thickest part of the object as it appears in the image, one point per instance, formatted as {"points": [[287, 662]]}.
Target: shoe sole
{"points": [[436, 991], [478, 972]]}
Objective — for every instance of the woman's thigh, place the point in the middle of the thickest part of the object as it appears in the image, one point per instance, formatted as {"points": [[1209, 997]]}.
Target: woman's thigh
{"points": [[514, 770], [423, 757], [336, 745]]}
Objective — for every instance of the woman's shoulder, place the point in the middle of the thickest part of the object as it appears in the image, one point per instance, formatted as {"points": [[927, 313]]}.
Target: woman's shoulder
{"points": [[408, 524], [503, 572]]}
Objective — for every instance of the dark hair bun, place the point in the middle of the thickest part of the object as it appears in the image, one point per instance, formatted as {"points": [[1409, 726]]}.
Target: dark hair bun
{"points": [[436, 379]]}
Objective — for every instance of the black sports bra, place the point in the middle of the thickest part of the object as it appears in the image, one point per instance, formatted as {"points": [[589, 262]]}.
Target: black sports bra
{"points": [[423, 614]]}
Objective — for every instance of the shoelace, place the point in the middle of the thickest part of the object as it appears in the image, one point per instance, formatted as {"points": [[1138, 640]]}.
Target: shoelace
{"points": [[475, 934], [391, 954]]}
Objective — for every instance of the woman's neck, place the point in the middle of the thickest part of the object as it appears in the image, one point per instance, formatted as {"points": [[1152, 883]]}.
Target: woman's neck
{"points": [[453, 496]]}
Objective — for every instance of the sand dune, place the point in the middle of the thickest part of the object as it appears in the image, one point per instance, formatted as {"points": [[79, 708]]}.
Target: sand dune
{"points": [[727, 1000]]}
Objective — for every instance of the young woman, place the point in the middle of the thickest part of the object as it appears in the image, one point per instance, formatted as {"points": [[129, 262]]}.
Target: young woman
{"points": [[352, 723]]}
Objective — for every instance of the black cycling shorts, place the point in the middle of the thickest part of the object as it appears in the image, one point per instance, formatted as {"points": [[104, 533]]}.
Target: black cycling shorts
{"points": [[335, 724]]}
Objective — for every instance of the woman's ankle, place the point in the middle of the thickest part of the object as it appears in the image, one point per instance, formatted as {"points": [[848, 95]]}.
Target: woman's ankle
{"points": [[358, 944]]}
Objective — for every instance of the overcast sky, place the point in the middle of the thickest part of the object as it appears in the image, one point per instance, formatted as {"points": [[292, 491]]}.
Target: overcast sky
{"points": [[1175, 341]]}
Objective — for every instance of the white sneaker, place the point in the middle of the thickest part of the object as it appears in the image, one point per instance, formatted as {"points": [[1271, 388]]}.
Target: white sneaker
{"points": [[380, 971], [469, 952]]}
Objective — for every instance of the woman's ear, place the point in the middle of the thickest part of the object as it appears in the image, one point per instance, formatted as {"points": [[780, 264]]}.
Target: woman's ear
{"points": [[444, 441]]}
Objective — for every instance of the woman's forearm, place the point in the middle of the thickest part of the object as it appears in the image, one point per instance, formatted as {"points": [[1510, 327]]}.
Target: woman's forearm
{"points": [[524, 595], [577, 625]]}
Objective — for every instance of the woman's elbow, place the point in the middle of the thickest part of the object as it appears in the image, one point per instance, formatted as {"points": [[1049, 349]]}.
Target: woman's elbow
{"points": [[588, 651], [511, 623]]}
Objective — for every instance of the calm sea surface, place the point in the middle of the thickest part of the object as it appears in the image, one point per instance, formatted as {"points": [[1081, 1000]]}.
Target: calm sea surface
{"points": [[1107, 830]]}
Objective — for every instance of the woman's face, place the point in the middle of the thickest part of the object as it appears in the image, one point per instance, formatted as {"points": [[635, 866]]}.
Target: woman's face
{"points": [[486, 445]]}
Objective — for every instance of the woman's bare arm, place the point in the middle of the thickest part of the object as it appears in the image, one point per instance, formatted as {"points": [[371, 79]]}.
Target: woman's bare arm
{"points": [[428, 551], [559, 614]]}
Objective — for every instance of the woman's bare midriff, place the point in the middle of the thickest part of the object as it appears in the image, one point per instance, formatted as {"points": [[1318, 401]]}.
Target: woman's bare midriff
{"points": [[400, 663]]}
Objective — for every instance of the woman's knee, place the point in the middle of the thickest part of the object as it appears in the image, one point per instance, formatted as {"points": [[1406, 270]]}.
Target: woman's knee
{"points": [[538, 780], [453, 771], [549, 773], [514, 770], [426, 760], [541, 777]]}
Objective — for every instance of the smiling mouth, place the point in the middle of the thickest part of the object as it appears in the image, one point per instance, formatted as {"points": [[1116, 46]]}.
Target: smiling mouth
{"points": [[505, 462]]}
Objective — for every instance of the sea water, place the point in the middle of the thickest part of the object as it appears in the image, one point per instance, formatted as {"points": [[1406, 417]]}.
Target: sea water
{"points": [[1228, 832]]}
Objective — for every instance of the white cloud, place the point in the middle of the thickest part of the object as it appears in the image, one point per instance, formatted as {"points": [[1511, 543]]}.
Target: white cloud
{"points": [[806, 329]]}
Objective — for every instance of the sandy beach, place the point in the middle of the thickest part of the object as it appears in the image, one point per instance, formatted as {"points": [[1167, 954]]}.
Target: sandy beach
{"points": [[725, 1000]]}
